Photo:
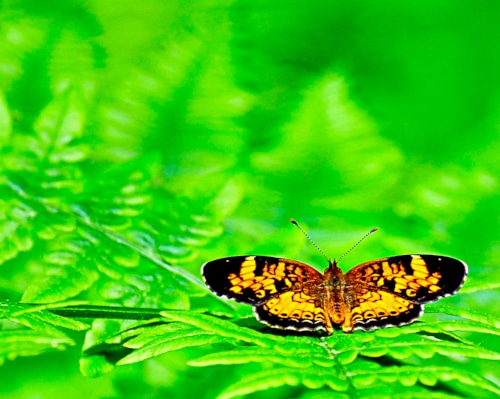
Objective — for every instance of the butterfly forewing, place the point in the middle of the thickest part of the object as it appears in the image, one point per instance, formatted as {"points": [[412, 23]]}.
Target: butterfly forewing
{"points": [[419, 278], [254, 279]]}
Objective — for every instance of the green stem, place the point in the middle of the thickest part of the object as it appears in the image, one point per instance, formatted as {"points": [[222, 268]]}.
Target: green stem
{"points": [[107, 312], [84, 311]]}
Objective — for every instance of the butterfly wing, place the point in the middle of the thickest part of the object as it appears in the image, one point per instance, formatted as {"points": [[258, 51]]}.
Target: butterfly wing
{"points": [[294, 310], [255, 279], [379, 308], [279, 289], [390, 291], [419, 278]]}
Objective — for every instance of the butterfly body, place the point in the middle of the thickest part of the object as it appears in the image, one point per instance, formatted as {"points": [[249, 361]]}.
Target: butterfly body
{"points": [[288, 294]]}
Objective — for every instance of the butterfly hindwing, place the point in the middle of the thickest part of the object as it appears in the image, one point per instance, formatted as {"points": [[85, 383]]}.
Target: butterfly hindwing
{"points": [[379, 308], [294, 310]]}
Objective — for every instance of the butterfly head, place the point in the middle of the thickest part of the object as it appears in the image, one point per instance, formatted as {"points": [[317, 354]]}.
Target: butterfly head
{"points": [[333, 266], [333, 275]]}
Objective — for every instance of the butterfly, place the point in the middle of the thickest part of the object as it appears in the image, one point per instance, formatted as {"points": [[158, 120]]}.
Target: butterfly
{"points": [[288, 294]]}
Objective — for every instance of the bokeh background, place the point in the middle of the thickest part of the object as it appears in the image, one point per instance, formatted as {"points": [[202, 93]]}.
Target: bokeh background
{"points": [[344, 115]]}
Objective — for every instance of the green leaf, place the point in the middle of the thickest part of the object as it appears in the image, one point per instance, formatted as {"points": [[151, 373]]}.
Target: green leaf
{"points": [[480, 283], [95, 366], [424, 347], [483, 318], [59, 321], [59, 288], [159, 346], [62, 120], [273, 378], [14, 343], [224, 328], [257, 354], [322, 394], [428, 375], [162, 331], [5, 121]]}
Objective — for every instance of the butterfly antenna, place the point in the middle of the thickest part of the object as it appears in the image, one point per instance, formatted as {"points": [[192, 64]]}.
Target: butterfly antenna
{"points": [[293, 221], [359, 242]]}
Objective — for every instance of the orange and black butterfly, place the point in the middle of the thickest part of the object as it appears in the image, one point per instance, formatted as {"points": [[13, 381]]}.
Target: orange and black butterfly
{"points": [[288, 294]]}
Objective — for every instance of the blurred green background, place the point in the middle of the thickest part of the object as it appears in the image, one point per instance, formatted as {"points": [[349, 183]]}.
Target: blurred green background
{"points": [[344, 115]]}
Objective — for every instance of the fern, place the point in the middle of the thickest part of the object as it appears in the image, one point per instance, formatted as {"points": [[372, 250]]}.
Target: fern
{"points": [[341, 362], [105, 240], [343, 355]]}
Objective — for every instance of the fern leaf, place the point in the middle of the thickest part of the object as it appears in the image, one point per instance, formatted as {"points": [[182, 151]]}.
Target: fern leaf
{"points": [[479, 317], [5, 121], [427, 375], [257, 354], [163, 331], [139, 328], [14, 343], [449, 327], [423, 347], [480, 283], [273, 378], [15, 229], [44, 332], [224, 328], [322, 394], [402, 392], [59, 321], [61, 122], [163, 345], [95, 366], [75, 278], [37, 325]]}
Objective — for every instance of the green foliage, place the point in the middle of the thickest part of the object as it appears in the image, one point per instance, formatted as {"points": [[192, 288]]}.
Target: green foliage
{"points": [[138, 142], [422, 354]]}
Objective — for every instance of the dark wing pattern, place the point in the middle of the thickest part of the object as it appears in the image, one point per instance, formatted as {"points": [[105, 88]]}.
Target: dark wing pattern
{"points": [[255, 279], [390, 291]]}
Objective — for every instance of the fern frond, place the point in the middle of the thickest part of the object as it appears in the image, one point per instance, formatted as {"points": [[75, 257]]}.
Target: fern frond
{"points": [[485, 319], [322, 394], [342, 352], [49, 318], [17, 342], [171, 343], [398, 391], [424, 347], [99, 237], [448, 327], [427, 375], [277, 377], [480, 283], [258, 355], [225, 328]]}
